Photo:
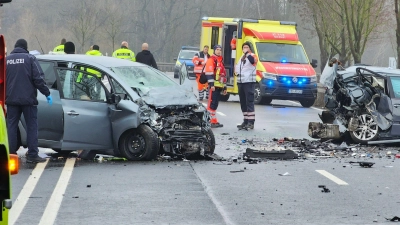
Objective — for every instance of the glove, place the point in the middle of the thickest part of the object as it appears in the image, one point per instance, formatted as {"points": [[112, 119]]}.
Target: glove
{"points": [[49, 100]]}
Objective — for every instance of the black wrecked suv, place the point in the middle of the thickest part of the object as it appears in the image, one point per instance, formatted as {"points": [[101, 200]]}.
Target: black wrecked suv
{"points": [[361, 101]]}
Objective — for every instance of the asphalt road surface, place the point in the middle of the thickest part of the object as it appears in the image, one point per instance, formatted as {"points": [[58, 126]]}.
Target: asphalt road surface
{"points": [[207, 192]]}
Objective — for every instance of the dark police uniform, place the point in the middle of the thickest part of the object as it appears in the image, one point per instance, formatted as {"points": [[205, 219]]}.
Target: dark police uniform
{"points": [[24, 77]]}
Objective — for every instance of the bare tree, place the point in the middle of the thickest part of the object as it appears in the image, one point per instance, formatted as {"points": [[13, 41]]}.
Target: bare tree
{"points": [[85, 21], [396, 11], [362, 18], [114, 21]]}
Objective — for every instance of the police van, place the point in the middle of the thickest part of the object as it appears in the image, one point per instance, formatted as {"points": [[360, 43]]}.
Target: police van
{"points": [[186, 55]]}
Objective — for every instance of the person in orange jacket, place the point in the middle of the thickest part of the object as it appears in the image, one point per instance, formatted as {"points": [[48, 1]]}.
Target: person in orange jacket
{"points": [[199, 60], [216, 76]]}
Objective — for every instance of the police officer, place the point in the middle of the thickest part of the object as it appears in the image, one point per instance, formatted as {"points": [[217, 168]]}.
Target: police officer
{"points": [[245, 69], [95, 51], [216, 76], [60, 48], [24, 77], [124, 52]]}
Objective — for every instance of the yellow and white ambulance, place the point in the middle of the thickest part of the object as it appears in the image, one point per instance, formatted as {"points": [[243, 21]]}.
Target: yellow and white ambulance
{"points": [[283, 70]]}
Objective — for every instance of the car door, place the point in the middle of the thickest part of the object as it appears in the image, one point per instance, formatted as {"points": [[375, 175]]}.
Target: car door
{"points": [[85, 111], [50, 118], [394, 93]]}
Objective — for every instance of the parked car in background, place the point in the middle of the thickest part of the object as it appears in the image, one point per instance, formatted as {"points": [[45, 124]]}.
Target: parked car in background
{"points": [[185, 56], [125, 110]]}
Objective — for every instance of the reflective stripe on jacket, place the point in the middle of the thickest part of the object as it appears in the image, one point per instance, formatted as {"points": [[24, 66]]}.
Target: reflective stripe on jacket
{"points": [[215, 70], [94, 53], [246, 70], [59, 48], [124, 53]]}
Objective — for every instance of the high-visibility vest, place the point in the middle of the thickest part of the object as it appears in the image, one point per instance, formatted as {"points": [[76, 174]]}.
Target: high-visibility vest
{"points": [[94, 53], [124, 53], [59, 48], [214, 70]]}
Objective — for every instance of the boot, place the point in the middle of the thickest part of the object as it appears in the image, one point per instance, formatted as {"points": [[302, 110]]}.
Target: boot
{"points": [[242, 126], [35, 159], [216, 125], [249, 126]]}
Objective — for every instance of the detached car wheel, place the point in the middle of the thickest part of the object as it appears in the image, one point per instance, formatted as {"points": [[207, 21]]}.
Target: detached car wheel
{"points": [[224, 98], [211, 141], [307, 103], [139, 144], [367, 129]]}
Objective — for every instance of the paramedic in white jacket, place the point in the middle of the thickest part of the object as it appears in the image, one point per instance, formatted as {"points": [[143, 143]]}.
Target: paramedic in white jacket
{"points": [[245, 69]]}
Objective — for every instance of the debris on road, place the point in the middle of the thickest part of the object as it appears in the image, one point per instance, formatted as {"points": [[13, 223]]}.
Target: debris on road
{"points": [[394, 219], [364, 164], [324, 189], [283, 155], [237, 171], [285, 174]]}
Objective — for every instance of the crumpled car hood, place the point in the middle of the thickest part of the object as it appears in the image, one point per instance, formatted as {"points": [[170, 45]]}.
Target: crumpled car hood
{"points": [[165, 96]]}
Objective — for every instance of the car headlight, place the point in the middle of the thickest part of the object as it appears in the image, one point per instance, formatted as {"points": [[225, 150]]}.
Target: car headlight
{"points": [[178, 63], [313, 79], [269, 76]]}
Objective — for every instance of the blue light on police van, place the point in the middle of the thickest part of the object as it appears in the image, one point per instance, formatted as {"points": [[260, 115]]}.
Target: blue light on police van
{"points": [[288, 82], [300, 83], [304, 80], [270, 83], [284, 78], [283, 60]]}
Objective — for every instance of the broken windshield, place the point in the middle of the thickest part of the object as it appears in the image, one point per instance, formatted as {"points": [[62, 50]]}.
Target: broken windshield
{"points": [[283, 53], [143, 77]]}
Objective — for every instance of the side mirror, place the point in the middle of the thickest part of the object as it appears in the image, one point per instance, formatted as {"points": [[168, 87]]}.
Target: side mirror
{"points": [[314, 63], [115, 98], [175, 59]]}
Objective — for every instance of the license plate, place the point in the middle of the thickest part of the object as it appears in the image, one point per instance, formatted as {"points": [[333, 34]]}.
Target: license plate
{"points": [[294, 91]]}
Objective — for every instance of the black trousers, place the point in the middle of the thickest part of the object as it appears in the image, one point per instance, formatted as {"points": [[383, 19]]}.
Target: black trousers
{"points": [[246, 97], [213, 100], [30, 114]]}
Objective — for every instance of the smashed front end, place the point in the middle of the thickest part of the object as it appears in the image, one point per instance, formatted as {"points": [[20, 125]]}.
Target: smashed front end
{"points": [[183, 130], [356, 103]]}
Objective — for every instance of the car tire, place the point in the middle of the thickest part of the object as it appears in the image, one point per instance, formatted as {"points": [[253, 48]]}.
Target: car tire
{"points": [[307, 103], [224, 98], [366, 124], [258, 99], [139, 144], [211, 141]]}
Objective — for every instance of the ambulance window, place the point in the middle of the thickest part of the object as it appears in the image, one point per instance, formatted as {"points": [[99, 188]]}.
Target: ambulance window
{"points": [[214, 36]]}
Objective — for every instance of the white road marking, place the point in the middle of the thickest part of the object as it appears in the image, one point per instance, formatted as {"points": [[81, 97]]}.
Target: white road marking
{"points": [[26, 192], [215, 201], [220, 113], [332, 177], [53, 206]]}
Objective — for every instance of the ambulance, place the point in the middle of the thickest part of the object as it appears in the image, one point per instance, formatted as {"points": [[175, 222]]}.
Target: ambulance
{"points": [[283, 71], [8, 162]]}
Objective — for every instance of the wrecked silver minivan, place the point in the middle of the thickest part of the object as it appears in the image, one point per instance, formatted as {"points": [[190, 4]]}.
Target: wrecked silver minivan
{"points": [[103, 103], [362, 101]]}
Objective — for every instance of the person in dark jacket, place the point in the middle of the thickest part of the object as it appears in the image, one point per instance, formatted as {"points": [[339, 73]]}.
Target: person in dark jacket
{"points": [[146, 57], [24, 77], [69, 47]]}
